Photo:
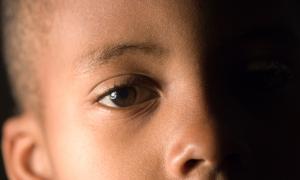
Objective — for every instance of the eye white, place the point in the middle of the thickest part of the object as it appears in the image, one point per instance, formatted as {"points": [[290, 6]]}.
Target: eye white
{"points": [[107, 101]]}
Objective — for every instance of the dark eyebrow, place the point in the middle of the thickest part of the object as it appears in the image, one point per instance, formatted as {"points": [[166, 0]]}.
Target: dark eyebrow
{"points": [[111, 52], [120, 49]]}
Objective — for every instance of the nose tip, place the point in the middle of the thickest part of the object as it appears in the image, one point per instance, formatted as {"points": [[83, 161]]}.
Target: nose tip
{"points": [[204, 157], [186, 160], [190, 163]]}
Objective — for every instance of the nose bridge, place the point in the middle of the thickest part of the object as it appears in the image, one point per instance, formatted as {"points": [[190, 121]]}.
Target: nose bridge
{"points": [[200, 127]]}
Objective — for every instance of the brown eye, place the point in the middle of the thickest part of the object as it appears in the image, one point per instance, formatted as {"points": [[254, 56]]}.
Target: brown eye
{"points": [[122, 97]]}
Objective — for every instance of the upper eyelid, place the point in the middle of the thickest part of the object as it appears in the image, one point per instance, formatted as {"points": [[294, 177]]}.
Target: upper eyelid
{"points": [[115, 86], [113, 77]]}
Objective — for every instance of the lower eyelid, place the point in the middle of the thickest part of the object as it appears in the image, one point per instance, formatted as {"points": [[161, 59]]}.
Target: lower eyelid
{"points": [[144, 109]]}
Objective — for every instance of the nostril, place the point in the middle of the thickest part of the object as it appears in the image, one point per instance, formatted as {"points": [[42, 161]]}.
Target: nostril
{"points": [[190, 165]]}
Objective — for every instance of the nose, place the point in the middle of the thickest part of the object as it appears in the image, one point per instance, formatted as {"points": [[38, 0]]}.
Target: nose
{"points": [[203, 151]]}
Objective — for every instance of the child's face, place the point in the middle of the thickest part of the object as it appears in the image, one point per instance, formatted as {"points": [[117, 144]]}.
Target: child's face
{"points": [[147, 89]]}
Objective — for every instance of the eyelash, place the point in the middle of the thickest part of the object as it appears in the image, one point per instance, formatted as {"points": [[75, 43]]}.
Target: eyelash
{"points": [[131, 81]]}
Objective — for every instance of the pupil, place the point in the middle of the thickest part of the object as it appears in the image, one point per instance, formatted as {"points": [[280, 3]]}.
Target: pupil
{"points": [[119, 94], [123, 97], [122, 93]]}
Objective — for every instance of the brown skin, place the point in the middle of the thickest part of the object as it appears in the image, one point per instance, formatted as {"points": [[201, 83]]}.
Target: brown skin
{"points": [[183, 124]]}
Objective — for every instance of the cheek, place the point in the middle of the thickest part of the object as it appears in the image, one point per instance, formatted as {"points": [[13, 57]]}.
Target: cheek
{"points": [[98, 150], [83, 145]]}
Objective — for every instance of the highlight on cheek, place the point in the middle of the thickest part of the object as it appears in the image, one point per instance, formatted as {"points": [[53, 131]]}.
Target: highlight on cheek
{"points": [[127, 91]]}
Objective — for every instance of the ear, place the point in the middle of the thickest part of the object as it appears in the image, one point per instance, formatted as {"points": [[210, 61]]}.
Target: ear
{"points": [[24, 152]]}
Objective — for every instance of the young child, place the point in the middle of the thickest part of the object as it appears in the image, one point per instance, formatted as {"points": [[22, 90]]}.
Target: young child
{"points": [[152, 89]]}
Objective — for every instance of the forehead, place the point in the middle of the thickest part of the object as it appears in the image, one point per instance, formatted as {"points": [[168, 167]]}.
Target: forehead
{"points": [[107, 20], [105, 17], [81, 27]]}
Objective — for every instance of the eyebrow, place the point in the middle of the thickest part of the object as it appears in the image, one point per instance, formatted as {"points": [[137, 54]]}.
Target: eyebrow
{"points": [[109, 53]]}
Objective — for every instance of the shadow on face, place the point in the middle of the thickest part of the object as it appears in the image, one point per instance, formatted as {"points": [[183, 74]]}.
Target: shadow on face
{"points": [[252, 76]]}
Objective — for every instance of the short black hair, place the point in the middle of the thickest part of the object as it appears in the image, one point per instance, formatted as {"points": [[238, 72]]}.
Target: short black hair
{"points": [[25, 27]]}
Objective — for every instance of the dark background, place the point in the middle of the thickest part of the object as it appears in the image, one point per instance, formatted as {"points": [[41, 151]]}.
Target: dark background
{"points": [[6, 103], [5, 106]]}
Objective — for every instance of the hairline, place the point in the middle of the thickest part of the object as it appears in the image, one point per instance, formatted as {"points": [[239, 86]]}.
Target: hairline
{"points": [[23, 34]]}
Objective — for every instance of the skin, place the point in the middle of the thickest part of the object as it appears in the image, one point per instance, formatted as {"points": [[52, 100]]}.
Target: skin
{"points": [[190, 121]]}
